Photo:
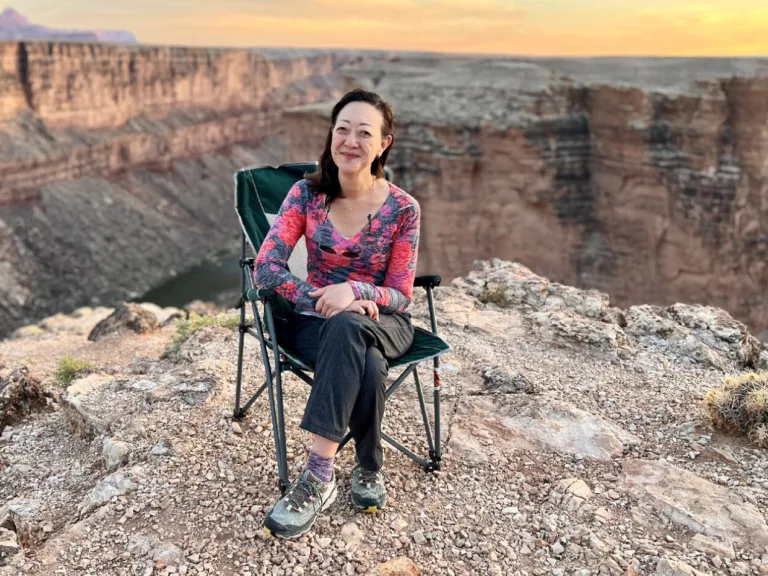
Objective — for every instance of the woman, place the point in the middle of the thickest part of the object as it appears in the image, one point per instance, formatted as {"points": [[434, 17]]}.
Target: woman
{"points": [[349, 319]]}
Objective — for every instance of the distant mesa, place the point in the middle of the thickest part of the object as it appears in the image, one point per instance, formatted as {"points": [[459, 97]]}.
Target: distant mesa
{"points": [[14, 26]]}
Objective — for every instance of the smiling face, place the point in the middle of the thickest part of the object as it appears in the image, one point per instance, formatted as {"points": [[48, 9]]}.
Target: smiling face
{"points": [[357, 138]]}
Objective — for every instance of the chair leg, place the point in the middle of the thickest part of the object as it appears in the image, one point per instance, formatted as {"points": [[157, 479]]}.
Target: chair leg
{"points": [[433, 463], [436, 455], [243, 271], [239, 412], [424, 414], [278, 420]]}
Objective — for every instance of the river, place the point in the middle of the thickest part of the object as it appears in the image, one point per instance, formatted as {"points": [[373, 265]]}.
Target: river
{"points": [[216, 279]]}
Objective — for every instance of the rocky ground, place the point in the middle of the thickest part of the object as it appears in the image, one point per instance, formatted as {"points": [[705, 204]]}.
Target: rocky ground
{"points": [[575, 443]]}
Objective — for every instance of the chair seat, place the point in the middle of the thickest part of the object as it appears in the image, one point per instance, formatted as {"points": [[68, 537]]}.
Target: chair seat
{"points": [[425, 346]]}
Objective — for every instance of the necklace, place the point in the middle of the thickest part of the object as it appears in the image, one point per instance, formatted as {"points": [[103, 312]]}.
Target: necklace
{"points": [[370, 197]]}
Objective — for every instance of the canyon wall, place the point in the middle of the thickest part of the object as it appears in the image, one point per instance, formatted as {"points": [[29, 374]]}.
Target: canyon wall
{"points": [[116, 162], [646, 179]]}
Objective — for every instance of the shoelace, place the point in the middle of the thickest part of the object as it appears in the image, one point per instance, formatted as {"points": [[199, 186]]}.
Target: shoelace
{"points": [[369, 477], [303, 490]]}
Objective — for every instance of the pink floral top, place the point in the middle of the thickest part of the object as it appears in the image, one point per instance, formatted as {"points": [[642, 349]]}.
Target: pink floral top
{"points": [[379, 262]]}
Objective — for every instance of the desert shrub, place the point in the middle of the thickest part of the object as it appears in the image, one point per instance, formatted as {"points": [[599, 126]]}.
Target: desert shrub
{"points": [[494, 294], [740, 406], [187, 327], [70, 368]]}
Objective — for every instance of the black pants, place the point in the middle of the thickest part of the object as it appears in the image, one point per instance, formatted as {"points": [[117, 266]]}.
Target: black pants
{"points": [[349, 353]]}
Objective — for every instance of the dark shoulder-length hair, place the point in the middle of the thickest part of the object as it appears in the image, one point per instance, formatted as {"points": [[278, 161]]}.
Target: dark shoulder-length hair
{"points": [[325, 180]]}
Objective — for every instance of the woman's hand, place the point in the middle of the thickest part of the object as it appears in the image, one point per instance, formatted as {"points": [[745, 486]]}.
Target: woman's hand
{"points": [[333, 299], [368, 307]]}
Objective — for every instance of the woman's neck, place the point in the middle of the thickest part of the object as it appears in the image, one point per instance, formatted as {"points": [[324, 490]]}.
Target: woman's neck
{"points": [[356, 186]]}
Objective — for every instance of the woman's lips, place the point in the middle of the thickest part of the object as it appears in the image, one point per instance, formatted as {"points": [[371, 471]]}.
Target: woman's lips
{"points": [[349, 156]]}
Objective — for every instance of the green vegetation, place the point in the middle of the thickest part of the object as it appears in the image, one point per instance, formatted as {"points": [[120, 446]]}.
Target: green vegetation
{"points": [[186, 328], [70, 368]]}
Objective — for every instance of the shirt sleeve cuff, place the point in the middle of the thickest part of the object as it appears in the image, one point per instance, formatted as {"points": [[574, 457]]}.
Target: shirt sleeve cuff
{"points": [[356, 290]]}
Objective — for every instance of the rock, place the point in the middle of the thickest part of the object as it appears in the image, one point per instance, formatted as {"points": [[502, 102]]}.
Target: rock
{"points": [[164, 316], [162, 448], [141, 544], [666, 567], [496, 380], [202, 308], [466, 447], [20, 516], [87, 384], [30, 331], [128, 317], [510, 284], [9, 544], [116, 484], [192, 392], [566, 327], [712, 547], [400, 566], [351, 534], [399, 525], [116, 453], [81, 420], [604, 515], [555, 425], [571, 494], [697, 334], [168, 554], [696, 503], [724, 454], [20, 395]]}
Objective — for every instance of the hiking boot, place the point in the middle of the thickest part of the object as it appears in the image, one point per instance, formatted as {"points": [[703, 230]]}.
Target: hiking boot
{"points": [[295, 513], [368, 490]]}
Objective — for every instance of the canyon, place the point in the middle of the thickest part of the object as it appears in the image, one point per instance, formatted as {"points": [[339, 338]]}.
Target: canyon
{"points": [[644, 178], [116, 162]]}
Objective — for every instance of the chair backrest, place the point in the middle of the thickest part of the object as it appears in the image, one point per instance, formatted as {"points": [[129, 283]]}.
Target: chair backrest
{"points": [[259, 193]]}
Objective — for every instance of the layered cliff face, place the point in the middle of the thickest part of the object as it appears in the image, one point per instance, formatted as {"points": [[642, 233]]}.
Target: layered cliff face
{"points": [[645, 179], [116, 163]]}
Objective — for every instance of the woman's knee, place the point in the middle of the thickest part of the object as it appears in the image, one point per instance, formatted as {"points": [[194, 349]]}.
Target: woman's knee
{"points": [[342, 323], [376, 368]]}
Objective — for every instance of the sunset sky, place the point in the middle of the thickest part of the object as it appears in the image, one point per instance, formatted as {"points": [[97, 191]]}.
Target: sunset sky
{"points": [[530, 27]]}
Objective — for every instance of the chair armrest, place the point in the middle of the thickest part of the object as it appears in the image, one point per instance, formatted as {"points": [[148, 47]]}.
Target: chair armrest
{"points": [[262, 294], [429, 281]]}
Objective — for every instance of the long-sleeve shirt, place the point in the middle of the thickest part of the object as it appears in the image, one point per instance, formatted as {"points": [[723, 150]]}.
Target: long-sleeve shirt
{"points": [[379, 262]]}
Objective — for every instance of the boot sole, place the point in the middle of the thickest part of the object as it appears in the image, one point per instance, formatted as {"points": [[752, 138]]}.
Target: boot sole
{"points": [[367, 506], [283, 536]]}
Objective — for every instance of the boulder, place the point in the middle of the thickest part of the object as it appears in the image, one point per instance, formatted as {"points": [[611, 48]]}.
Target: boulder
{"points": [[128, 317], [20, 395], [695, 503], [540, 422]]}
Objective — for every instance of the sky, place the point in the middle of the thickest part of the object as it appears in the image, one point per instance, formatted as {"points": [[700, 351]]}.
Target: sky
{"points": [[517, 27]]}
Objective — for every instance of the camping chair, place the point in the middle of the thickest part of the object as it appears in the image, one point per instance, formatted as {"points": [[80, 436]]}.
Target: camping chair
{"points": [[259, 193]]}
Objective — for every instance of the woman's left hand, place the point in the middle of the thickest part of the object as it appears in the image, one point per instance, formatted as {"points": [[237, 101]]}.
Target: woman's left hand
{"points": [[333, 299]]}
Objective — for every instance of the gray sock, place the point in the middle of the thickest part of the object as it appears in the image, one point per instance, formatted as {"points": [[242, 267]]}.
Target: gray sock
{"points": [[321, 467]]}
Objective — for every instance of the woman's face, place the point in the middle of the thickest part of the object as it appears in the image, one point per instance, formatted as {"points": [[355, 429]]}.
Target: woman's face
{"points": [[356, 138]]}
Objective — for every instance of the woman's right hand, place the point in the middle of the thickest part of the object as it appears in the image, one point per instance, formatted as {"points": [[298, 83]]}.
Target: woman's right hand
{"points": [[368, 307]]}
